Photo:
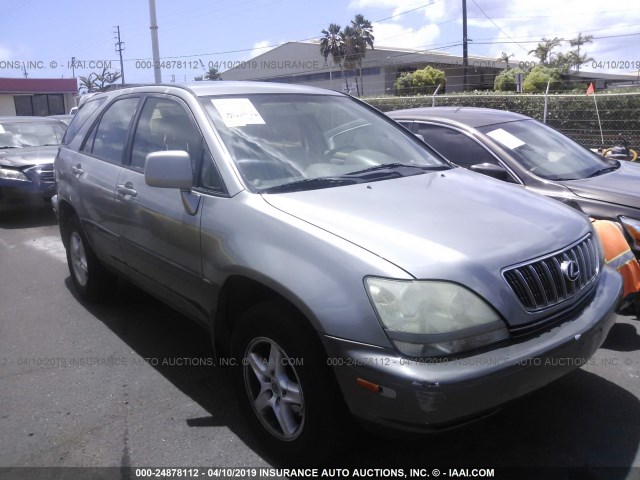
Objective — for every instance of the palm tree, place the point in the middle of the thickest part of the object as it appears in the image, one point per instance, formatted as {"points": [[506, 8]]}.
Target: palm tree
{"points": [[363, 32], [505, 58], [351, 49], [543, 51], [332, 44]]}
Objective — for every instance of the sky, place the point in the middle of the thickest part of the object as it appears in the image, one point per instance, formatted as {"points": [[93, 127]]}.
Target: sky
{"points": [[44, 35]]}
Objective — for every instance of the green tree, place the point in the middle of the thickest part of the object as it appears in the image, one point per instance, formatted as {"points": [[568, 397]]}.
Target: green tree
{"points": [[332, 44], [212, 74], [576, 58], [99, 82], [544, 51], [537, 79], [363, 38], [198, 78], [420, 82], [404, 85], [506, 80], [505, 58]]}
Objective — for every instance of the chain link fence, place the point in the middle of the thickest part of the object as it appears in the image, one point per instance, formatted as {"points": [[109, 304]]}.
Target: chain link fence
{"points": [[573, 115]]}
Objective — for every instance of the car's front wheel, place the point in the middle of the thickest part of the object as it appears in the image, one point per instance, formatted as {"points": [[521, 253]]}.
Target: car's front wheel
{"points": [[287, 390]]}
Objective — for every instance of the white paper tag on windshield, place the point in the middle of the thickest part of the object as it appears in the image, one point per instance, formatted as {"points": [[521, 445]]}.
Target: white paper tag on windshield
{"points": [[237, 112], [505, 138], [2, 129]]}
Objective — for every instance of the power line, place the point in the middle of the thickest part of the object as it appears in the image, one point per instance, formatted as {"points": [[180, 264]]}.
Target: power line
{"points": [[497, 26]]}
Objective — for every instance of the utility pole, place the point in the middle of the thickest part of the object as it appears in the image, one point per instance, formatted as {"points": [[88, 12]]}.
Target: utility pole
{"points": [[465, 52], [157, 74], [73, 67], [119, 49]]}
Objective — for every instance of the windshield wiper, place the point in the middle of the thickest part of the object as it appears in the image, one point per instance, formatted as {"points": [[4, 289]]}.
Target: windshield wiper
{"points": [[310, 184], [394, 170], [603, 170]]}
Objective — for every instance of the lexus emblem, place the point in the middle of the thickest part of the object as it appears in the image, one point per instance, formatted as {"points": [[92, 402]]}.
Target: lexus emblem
{"points": [[570, 270]]}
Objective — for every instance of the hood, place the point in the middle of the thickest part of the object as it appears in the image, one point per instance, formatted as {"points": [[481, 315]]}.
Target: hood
{"points": [[621, 187], [455, 225], [23, 157]]}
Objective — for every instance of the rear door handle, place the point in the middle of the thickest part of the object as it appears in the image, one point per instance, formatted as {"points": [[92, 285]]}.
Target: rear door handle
{"points": [[126, 189], [77, 170]]}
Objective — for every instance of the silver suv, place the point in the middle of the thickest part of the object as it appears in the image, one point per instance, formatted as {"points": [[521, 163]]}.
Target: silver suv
{"points": [[339, 263]]}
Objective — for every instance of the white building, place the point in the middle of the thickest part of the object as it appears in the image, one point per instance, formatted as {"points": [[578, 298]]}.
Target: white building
{"points": [[301, 62]]}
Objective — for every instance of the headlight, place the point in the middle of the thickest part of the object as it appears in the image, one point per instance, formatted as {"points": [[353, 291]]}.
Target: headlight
{"points": [[12, 174], [433, 318], [632, 226]]}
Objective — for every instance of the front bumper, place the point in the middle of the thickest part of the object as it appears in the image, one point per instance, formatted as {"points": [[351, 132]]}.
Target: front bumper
{"points": [[420, 396], [25, 194]]}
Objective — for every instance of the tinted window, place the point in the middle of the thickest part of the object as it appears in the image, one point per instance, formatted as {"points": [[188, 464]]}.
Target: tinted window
{"points": [[455, 145], [164, 125], [80, 118], [108, 138], [210, 177]]}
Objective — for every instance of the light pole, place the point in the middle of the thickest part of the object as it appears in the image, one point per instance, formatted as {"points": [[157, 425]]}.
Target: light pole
{"points": [[154, 42]]}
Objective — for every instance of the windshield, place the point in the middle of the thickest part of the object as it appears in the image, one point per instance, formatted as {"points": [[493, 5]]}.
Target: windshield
{"points": [[287, 142], [30, 134], [546, 152]]}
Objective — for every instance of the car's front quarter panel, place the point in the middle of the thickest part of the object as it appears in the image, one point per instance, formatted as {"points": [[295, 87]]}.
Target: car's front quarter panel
{"points": [[318, 272]]}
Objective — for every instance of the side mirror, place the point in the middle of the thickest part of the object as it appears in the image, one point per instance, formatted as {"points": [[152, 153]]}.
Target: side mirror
{"points": [[168, 169], [492, 170]]}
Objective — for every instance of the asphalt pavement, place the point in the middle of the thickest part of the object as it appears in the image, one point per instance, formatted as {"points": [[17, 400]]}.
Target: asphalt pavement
{"points": [[130, 383]]}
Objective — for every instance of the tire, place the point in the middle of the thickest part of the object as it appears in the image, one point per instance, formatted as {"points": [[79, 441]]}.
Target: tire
{"points": [[90, 279], [287, 392]]}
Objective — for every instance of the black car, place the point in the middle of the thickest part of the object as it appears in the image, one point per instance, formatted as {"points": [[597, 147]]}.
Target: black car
{"points": [[28, 146], [518, 149]]}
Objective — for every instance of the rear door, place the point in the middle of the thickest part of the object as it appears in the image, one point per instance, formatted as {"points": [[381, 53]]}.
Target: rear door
{"points": [[159, 237], [92, 174]]}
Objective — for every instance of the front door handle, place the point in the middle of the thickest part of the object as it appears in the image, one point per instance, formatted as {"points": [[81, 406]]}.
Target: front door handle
{"points": [[126, 189], [77, 170]]}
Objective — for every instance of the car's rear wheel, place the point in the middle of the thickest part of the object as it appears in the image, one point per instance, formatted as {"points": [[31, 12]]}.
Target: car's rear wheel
{"points": [[287, 390], [88, 275]]}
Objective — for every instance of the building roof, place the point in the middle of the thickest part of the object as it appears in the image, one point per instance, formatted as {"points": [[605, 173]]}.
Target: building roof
{"points": [[38, 85]]}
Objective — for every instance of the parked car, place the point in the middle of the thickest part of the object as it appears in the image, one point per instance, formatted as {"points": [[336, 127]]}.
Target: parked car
{"points": [[28, 146], [517, 149], [340, 263]]}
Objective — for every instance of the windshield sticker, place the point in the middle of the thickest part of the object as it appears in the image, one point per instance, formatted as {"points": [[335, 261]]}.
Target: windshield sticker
{"points": [[237, 112], [506, 139], [2, 129]]}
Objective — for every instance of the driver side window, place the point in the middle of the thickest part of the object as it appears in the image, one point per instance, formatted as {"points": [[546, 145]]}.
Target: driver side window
{"points": [[164, 125]]}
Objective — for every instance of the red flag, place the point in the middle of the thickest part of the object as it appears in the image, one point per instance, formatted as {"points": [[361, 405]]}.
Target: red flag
{"points": [[590, 90]]}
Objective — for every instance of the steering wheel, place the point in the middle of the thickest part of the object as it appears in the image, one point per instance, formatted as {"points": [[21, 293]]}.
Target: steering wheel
{"points": [[330, 154]]}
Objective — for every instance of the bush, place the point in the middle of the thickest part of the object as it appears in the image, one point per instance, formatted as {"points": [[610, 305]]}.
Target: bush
{"points": [[506, 80], [420, 82], [537, 79]]}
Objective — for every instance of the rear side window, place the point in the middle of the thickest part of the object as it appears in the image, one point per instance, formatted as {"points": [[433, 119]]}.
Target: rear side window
{"points": [[80, 118], [108, 137]]}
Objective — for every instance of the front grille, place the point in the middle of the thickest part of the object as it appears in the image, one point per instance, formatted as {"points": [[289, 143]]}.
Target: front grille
{"points": [[44, 173], [552, 279]]}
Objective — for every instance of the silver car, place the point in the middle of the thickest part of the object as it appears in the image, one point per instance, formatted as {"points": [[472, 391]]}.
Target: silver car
{"points": [[339, 263]]}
